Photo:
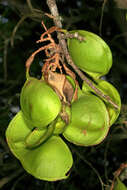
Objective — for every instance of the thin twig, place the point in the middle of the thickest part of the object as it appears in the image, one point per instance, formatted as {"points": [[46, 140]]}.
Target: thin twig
{"points": [[117, 173], [105, 158], [16, 28], [33, 10], [33, 14], [56, 18], [102, 14], [6, 41], [17, 181], [91, 166], [30, 5]]}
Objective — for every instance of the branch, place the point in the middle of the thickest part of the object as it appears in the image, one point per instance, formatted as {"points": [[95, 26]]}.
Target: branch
{"points": [[117, 173], [102, 14], [56, 18], [90, 165], [6, 42]]}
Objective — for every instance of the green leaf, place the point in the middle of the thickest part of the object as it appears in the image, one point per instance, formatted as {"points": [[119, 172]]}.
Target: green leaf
{"points": [[90, 121], [107, 89], [50, 161], [92, 56], [119, 185]]}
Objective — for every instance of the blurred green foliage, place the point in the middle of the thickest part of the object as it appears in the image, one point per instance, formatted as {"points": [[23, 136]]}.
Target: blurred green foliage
{"points": [[92, 165]]}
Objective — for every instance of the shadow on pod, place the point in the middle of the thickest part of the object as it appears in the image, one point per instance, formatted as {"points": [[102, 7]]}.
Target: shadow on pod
{"points": [[92, 55], [50, 161], [89, 123], [39, 102]]}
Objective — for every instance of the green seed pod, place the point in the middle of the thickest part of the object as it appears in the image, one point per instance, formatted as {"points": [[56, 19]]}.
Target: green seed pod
{"points": [[39, 136], [89, 123], [108, 89], [59, 127], [39, 102], [92, 55], [50, 161], [62, 120], [17, 133]]}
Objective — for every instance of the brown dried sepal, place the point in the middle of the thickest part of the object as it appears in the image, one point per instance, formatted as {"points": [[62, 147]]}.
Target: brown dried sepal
{"points": [[65, 117], [61, 85], [72, 75]]}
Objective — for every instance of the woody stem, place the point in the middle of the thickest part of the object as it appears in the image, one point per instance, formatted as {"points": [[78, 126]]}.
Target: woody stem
{"points": [[56, 18]]}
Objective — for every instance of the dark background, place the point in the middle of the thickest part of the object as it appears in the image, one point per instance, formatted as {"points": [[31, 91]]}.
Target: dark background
{"points": [[110, 22]]}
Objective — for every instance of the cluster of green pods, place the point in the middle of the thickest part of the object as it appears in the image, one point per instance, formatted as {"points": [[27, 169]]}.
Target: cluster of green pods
{"points": [[36, 134]]}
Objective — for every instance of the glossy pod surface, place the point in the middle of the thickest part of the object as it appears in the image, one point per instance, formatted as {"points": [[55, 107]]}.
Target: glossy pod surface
{"points": [[111, 91], [50, 161], [39, 102], [90, 121], [92, 56]]}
